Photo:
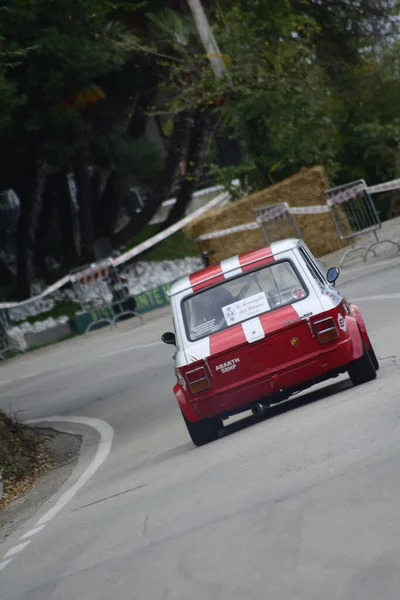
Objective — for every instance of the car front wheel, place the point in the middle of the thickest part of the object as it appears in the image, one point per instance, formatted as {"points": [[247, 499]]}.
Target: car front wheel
{"points": [[362, 370], [203, 432]]}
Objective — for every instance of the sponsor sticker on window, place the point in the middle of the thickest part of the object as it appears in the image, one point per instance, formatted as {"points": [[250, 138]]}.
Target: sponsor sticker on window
{"points": [[245, 309]]}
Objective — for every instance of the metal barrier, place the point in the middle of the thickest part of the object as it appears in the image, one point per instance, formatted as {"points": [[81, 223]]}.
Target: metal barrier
{"points": [[282, 216], [102, 291], [7, 344], [273, 219], [354, 214]]}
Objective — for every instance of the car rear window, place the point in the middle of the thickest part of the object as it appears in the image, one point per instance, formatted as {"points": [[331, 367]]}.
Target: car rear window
{"points": [[241, 298]]}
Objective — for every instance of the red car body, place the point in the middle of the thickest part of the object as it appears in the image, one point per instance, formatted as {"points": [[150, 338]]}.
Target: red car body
{"points": [[289, 330]]}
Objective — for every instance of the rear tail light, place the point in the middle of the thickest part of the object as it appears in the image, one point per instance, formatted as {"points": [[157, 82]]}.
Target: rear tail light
{"points": [[198, 380], [326, 330]]}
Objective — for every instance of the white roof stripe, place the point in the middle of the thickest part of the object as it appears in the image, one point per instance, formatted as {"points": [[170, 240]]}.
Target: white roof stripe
{"points": [[231, 267]]}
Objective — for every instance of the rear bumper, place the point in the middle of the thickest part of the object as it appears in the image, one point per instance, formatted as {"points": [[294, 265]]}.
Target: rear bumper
{"points": [[328, 362]]}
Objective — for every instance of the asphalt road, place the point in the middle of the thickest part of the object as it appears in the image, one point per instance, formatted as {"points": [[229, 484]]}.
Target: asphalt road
{"points": [[303, 505]]}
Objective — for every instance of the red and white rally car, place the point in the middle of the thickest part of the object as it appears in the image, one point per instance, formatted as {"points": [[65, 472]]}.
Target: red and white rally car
{"points": [[255, 329]]}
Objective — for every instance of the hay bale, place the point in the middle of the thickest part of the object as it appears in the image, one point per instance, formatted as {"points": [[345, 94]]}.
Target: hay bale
{"points": [[303, 189]]}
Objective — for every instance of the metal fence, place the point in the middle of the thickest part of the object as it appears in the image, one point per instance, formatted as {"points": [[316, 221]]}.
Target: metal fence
{"points": [[104, 292], [354, 215], [276, 222]]}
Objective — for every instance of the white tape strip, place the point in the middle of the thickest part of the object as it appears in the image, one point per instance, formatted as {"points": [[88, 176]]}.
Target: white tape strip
{"points": [[309, 210], [385, 187], [222, 232], [124, 257], [52, 288], [270, 213], [267, 215], [333, 198], [173, 229]]}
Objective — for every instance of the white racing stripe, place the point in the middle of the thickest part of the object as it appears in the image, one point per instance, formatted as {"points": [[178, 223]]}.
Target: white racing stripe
{"points": [[197, 350], [253, 330], [308, 307], [231, 267]]}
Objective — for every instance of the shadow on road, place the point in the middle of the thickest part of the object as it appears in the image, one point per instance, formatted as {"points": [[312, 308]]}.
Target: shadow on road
{"points": [[289, 405]]}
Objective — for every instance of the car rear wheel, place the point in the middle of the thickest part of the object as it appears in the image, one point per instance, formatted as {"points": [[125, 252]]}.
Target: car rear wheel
{"points": [[203, 432], [362, 370], [373, 358]]}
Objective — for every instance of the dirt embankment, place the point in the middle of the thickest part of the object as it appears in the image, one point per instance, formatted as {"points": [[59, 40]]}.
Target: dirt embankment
{"points": [[27, 453]]}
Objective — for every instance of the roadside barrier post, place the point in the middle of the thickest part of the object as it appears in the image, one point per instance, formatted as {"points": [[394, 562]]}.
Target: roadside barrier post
{"points": [[354, 215], [104, 292]]}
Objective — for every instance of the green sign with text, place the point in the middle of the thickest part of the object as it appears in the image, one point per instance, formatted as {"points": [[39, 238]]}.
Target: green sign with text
{"points": [[145, 302], [153, 299]]}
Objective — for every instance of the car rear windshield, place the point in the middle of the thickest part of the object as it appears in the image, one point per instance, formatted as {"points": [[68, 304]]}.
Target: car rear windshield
{"points": [[246, 296]]}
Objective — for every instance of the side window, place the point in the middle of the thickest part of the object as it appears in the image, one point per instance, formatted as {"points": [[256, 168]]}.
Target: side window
{"points": [[314, 270]]}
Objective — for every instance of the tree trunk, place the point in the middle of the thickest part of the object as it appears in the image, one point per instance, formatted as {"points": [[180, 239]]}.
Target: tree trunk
{"points": [[67, 220], [109, 206], [177, 151], [43, 228], [195, 158], [7, 275], [26, 190], [84, 195]]}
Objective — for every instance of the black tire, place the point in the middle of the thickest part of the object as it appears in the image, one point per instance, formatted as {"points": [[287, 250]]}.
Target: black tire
{"points": [[203, 432], [362, 370], [373, 358]]}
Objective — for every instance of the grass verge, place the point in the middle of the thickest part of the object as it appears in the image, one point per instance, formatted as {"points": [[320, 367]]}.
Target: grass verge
{"points": [[174, 247]]}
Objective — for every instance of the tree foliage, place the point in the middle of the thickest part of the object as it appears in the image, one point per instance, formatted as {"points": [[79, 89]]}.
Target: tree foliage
{"points": [[81, 81]]}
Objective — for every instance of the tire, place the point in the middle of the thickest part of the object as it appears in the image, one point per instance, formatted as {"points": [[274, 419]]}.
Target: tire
{"points": [[373, 358], [362, 370], [203, 432]]}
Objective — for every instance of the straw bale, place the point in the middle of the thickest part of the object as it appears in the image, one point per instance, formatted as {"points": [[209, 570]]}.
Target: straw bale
{"points": [[303, 189]]}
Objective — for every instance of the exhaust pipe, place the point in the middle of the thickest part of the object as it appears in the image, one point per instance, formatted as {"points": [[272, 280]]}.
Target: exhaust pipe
{"points": [[258, 409]]}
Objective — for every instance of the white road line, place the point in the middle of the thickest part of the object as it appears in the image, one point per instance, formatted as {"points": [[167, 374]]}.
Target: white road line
{"points": [[31, 532], [5, 564], [131, 349], [103, 450], [17, 549], [376, 298]]}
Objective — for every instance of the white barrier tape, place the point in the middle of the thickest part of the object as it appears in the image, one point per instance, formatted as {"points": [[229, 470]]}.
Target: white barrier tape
{"points": [[173, 229], [222, 232], [199, 193], [52, 288], [124, 257], [385, 187], [309, 210], [271, 214], [333, 198]]}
